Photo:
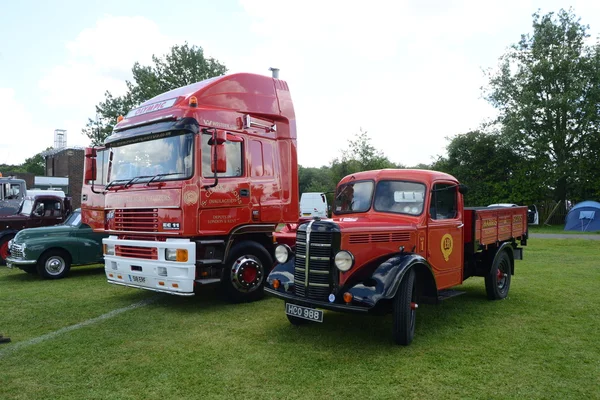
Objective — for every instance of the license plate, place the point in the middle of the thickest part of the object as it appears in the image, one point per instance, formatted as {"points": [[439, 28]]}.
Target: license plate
{"points": [[138, 279], [304, 312], [306, 214]]}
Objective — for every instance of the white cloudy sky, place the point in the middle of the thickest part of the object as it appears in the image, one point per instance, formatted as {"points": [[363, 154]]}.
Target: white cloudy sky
{"points": [[408, 72]]}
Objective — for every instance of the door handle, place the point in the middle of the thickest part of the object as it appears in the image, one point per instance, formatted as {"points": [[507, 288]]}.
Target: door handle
{"points": [[244, 192], [460, 226]]}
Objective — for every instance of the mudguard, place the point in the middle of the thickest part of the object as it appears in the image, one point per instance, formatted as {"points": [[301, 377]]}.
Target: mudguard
{"points": [[8, 232], [284, 273], [506, 246], [385, 281]]}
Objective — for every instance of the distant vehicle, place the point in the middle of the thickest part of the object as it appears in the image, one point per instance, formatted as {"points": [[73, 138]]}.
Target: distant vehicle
{"points": [[35, 211], [533, 217], [50, 251], [12, 191], [313, 204]]}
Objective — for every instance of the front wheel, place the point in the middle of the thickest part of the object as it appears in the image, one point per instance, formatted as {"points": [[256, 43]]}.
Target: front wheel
{"points": [[245, 272], [404, 310], [497, 281], [54, 264]]}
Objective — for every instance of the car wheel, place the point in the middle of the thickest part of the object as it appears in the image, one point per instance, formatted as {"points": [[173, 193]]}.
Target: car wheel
{"points": [[245, 272], [497, 281], [404, 310], [54, 264]]}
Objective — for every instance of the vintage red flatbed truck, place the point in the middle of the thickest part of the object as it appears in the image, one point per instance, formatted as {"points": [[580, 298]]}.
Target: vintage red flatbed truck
{"points": [[397, 238]]}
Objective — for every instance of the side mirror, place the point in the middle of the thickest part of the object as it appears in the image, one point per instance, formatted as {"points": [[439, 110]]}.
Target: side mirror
{"points": [[463, 189], [90, 164], [218, 157]]}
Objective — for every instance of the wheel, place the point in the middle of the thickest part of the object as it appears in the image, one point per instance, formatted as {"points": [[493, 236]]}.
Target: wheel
{"points": [[245, 272], [4, 249], [297, 321], [30, 269], [404, 310], [497, 281], [54, 264]]}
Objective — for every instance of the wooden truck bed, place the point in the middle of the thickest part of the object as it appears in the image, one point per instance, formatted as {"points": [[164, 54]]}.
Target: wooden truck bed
{"points": [[491, 225]]}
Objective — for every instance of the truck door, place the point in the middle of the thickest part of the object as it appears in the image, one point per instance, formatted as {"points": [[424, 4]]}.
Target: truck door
{"points": [[445, 234]]}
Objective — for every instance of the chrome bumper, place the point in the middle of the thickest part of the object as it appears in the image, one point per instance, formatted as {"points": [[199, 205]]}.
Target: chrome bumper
{"points": [[10, 262]]}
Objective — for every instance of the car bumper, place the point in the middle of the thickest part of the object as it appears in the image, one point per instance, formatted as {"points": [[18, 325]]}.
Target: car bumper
{"points": [[15, 262], [291, 298]]}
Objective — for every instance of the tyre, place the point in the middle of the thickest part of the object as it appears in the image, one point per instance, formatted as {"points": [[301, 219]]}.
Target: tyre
{"points": [[4, 249], [296, 321], [54, 264], [404, 310], [497, 281], [30, 269], [245, 272]]}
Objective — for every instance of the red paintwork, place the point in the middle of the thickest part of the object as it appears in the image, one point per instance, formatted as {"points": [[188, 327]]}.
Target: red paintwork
{"points": [[372, 235], [270, 163]]}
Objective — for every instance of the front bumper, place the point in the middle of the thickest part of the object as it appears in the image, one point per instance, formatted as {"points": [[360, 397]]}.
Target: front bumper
{"points": [[158, 275], [291, 298], [15, 262]]}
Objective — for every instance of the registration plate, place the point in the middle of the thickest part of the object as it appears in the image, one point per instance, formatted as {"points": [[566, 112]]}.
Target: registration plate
{"points": [[138, 279], [306, 214], [304, 312]]}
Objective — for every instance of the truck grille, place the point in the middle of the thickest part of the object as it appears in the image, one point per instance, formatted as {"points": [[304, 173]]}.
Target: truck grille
{"points": [[147, 253], [318, 286], [136, 220], [16, 251]]}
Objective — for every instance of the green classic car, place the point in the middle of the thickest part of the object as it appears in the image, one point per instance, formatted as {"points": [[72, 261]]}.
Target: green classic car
{"points": [[50, 251]]}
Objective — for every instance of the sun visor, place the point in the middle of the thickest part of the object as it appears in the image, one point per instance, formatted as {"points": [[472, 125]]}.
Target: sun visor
{"points": [[151, 131]]}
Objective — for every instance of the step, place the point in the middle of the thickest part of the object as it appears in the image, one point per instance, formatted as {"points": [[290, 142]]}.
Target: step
{"points": [[448, 293], [207, 281]]}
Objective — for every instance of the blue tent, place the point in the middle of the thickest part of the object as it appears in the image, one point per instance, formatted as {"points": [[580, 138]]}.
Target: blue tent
{"points": [[584, 216]]}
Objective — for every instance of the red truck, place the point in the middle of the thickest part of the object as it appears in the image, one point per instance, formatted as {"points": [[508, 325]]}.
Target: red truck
{"points": [[194, 183], [397, 238]]}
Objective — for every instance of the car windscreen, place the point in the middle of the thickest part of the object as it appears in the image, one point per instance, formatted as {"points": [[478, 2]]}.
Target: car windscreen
{"points": [[73, 219]]}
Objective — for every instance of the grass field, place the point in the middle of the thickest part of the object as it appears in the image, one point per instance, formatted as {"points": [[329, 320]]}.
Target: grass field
{"points": [[541, 342], [555, 229]]}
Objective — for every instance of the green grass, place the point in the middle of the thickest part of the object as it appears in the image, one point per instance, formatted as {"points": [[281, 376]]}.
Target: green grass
{"points": [[556, 229], [541, 342]]}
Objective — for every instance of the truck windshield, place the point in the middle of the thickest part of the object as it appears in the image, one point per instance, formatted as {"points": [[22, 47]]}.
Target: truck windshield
{"points": [[399, 197], [27, 207], [168, 158], [354, 197]]}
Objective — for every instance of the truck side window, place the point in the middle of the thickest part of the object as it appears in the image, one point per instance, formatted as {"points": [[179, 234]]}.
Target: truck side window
{"points": [[443, 201], [234, 158]]}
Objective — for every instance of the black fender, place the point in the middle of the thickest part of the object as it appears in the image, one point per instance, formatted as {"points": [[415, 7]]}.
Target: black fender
{"points": [[7, 233], [506, 246], [384, 282], [284, 273]]}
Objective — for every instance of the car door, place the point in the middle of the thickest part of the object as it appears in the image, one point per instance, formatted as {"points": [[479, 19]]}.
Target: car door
{"points": [[445, 234]]}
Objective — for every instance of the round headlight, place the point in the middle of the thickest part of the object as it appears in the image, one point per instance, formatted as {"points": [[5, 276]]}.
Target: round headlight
{"points": [[282, 253], [344, 260]]}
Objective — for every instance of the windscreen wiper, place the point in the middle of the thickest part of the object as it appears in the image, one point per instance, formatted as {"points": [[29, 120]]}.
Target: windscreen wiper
{"points": [[114, 183], [165, 174], [134, 179]]}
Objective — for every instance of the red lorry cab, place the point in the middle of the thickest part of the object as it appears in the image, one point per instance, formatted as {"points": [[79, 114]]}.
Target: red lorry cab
{"points": [[397, 238], [194, 183]]}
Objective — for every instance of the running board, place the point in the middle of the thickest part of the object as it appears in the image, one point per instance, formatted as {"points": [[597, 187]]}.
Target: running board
{"points": [[448, 293], [207, 281]]}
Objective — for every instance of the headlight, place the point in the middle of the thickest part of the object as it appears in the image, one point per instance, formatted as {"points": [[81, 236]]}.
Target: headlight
{"points": [[9, 243], [282, 253], [176, 255], [344, 260], [109, 249]]}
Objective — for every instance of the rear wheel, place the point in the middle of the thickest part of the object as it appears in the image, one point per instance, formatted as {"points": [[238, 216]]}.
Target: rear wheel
{"points": [[404, 310], [4, 249], [245, 272], [497, 281], [54, 264]]}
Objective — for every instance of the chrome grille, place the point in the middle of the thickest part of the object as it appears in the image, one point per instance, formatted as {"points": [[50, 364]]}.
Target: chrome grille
{"points": [[320, 253], [16, 251], [136, 220]]}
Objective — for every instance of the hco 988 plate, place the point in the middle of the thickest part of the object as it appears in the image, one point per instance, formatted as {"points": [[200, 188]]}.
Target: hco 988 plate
{"points": [[304, 312]]}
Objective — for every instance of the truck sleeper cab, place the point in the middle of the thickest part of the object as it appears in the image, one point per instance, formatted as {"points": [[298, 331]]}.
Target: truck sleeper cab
{"points": [[194, 182], [397, 238]]}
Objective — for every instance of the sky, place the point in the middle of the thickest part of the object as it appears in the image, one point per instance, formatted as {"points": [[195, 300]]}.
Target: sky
{"points": [[409, 73]]}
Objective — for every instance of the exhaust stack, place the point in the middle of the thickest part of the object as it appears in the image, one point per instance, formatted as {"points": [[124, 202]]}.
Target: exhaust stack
{"points": [[274, 72]]}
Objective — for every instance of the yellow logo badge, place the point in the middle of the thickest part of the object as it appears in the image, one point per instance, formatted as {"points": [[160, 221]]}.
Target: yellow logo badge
{"points": [[446, 246]]}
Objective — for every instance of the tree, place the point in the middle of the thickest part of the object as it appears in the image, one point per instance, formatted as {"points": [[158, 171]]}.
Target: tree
{"points": [[182, 66], [36, 164], [360, 155], [547, 89]]}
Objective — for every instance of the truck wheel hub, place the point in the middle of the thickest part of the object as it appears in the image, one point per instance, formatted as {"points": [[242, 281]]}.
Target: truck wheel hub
{"points": [[246, 274]]}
